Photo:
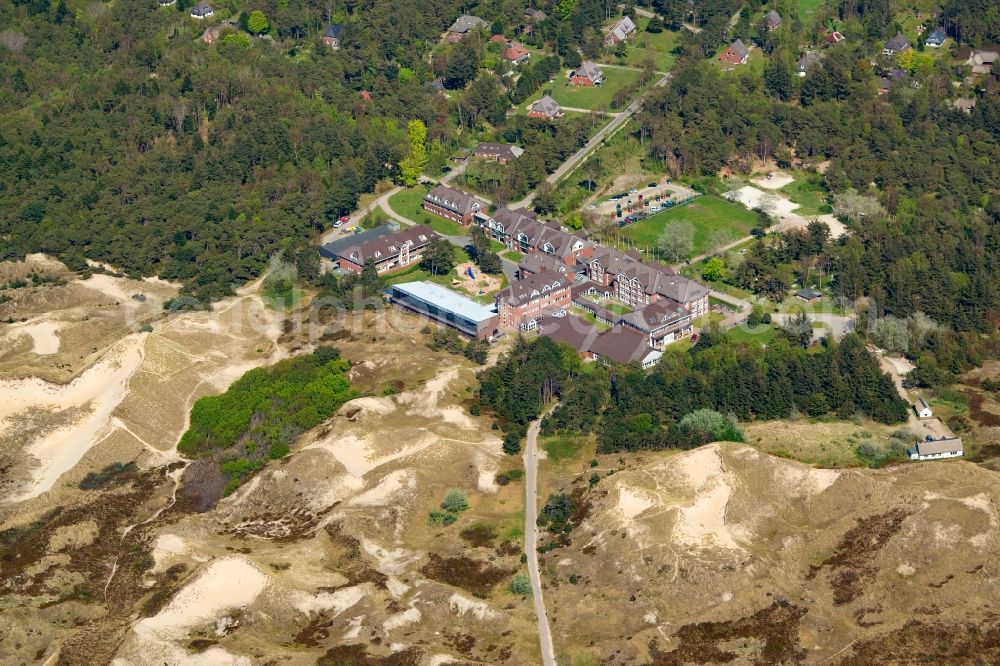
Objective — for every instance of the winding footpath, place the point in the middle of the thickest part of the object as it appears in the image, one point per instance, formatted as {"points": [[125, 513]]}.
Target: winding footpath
{"points": [[531, 541]]}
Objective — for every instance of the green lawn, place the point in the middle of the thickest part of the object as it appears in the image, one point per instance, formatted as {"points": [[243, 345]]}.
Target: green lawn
{"points": [[716, 222], [764, 333], [658, 46], [582, 97], [810, 197], [409, 204], [513, 255], [563, 447], [808, 7]]}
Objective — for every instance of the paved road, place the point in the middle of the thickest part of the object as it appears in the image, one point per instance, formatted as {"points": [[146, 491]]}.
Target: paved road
{"points": [[360, 214], [579, 156], [531, 541]]}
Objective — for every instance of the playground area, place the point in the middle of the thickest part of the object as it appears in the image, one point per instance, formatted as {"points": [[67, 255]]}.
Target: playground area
{"points": [[473, 281]]}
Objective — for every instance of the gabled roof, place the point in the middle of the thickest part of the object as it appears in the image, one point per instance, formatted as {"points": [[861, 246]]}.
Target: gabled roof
{"points": [[548, 106], [532, 287], [454, 200], [808, 60], [569, 330], [622, 29], [937, 36], [652, 279], [515, 51], [740, 49], [897, 43], [201, 9], [337, 247], [772, 19], [504, 151], [537, 262], [938, 446], [665, 312], [334, 31], [590, 70], [622, 345], [466, 23], [385, 247], [535, 15]]}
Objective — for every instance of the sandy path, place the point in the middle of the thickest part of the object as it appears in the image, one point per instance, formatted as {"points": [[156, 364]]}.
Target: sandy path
{"points": [[101, 388], [753, 198], [531, 541]]}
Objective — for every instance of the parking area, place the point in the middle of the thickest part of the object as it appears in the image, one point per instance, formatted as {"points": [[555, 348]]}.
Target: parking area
{"points": [[650, 199]]}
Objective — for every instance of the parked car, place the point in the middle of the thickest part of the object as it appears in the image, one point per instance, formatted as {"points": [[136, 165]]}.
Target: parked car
{"points": [[345, 219], [651, 185], [633, 191], [654, 209], [338, 224]]}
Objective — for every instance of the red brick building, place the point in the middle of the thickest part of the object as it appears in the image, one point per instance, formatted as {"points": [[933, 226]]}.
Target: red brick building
{"points": [[531, 297], [452, 204]]}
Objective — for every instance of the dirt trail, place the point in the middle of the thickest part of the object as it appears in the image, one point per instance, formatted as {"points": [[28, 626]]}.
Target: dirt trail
{"points": [[531, 541]]}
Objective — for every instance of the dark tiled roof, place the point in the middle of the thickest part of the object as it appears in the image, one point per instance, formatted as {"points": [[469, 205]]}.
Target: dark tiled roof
{"points": [[334, 249], [569, 330], [335, 31], [662, 313], [531, 287], [454, 200], [897, 43], [381, 248], [621, 344]]}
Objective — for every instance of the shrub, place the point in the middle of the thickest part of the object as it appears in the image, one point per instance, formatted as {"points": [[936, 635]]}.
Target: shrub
{"points": [[521, 585], [512, 443], [441, 518], [455, 501]]}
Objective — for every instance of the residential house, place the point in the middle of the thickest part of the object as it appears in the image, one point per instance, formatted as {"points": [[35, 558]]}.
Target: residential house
{"points": [[662, 322], [465, 23], [499, 39], [525, 234], [809, 295], [936, 38], [587, 74], [516, 53], [620, 31], [937, 449], [964, 104], [389, 252], [834, 37], [982, 60], [572, 331], [212, 34], [499, 152], [894, 75], [625, 345], [333, 35], [807, 61], [452, 204], [535, 15], [735, 54], [167, 3], [529, 298], [923, 409], [546, 108], [772, 20], [896, 45], [446, 307], [202, 10], [437, 85]]}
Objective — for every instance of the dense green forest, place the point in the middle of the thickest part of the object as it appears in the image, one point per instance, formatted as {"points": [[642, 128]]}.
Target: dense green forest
{"points": [[124, 138], [234, 434], [632, 409], [931, 243]]}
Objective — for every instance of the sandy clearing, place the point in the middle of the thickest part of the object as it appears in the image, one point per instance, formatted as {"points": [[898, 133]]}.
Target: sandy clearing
{"points": [[226, 584], [381, 406], [390, 562], [632, 502], [43, 334], [479, 609], [837, 228], [330, 602], [409, 616], [776, 181], [101, 387], [110, 286], [167, 654], [387, 488], [442, 660], [702, 524], [753, 198], [165, 548], [355, 453]]}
